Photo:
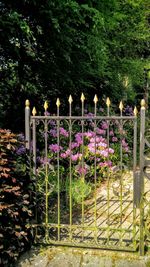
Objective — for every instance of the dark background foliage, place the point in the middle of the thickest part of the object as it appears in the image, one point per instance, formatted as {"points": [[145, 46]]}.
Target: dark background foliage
{"points": [[55, 48]]}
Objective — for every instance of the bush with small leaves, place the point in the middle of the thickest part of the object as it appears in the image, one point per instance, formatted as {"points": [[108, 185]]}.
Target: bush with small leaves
{"points": [[16, 198]]}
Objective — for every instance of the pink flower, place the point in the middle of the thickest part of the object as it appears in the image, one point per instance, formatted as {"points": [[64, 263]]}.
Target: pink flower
{"points": [[74, 145], [111, 133], [78, 138], [105, 164], [101, 144], [53, 132], [76, 156], [111, 151], [104, 125], [104, 153], [124, 143], [89, 134], [63, 132], [114, 139], [101, 131], [55, 148], [65, 154]]}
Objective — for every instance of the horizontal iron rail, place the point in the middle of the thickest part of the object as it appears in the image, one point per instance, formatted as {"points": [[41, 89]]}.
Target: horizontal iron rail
{"points": [[93, 246], [52, 225], [84, 117]]}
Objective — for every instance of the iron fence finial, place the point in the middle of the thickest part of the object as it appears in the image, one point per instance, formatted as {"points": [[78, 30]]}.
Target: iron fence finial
{"points": [[57, 102], [108, 102], [121, 105], [95, 99], [27, 103], [70, 100], [34, 111], [45, 105], [82, 97], [135, 111], [143, 103]]}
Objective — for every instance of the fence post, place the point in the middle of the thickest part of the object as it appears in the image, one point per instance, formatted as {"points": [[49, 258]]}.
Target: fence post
{"points": [[142, 145], [27, 124]]}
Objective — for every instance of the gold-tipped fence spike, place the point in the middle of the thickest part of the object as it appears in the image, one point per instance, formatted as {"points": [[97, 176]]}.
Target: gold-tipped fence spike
{"points": [[70, 100], [121, 106], [108, 102], [34, 111], [82, 97], [143, 103], [57, 102], [45, 105], [27, 103], [135, 111], [95, 99]]}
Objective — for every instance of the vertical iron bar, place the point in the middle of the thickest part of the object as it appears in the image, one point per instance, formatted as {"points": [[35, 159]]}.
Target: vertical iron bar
{"points": [[83, 178], [134, 177], [121, 180], [46, 180], [34, 145], [142, 145], [95, 175], [108, 180], [34, 170], [27, 124], [58, 171], [70, 168]]}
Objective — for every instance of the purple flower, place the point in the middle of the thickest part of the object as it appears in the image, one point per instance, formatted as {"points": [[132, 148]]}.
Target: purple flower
{"points": [[102, 144], [89, 134], [124, 143], [111, 151], [82, 170], [111, 133], [74, 145], [55, 148], [53, 132], [63, 132], [46, 113], [104, 153], [78, 138], [21, 137], [126, 149], [65, 154], [44, 160], [105, 164], [101, 131], [104, 125], [114, 139], [76, 156], [21, 150], [52, 122]]}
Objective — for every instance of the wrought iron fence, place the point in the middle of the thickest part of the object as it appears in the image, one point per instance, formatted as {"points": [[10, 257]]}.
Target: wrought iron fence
{"points": [[89, 190]]}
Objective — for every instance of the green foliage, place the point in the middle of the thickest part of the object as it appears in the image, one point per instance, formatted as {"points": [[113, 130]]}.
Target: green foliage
{"points": [[80, 190], [16, 198], [54, 48]]}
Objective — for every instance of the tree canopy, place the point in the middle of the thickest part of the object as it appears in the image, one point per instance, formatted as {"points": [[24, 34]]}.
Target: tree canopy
{"points": [[54, 48]]}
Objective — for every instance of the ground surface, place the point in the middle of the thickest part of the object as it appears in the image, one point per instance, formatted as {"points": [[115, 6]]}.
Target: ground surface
{"points": [[73, 257]]}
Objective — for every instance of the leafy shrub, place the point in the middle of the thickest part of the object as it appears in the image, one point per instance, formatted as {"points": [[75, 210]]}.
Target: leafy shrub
{"points": [[16, 197]]}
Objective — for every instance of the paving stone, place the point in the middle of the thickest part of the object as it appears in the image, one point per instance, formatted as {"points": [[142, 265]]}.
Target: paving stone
{"points": [[133, 263], [95, 261], [65, 260]]}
